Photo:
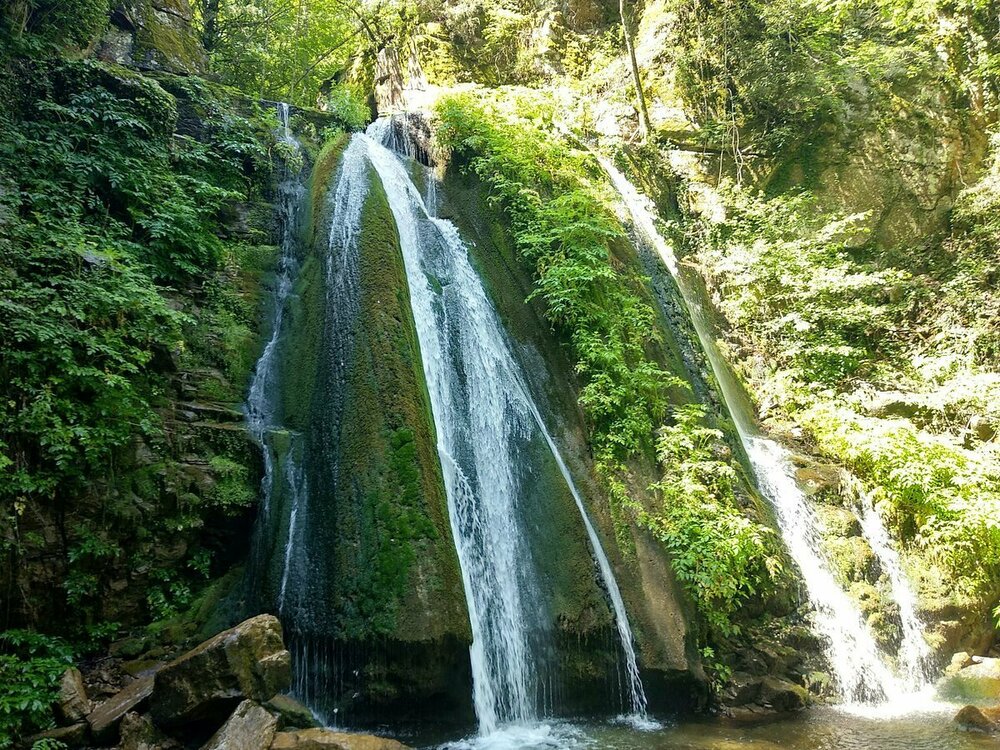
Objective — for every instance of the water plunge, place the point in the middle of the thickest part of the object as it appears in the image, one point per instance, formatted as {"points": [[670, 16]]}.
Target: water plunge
{"points": [[860, 668]]}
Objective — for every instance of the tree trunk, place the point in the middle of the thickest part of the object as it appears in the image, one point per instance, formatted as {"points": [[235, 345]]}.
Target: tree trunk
{"points": [[644, 126]]}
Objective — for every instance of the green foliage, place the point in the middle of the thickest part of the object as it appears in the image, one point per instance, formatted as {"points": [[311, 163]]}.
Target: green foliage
{"points": [[349, 107], [769, 75], [822, 324], [563, 229], [720, 556], [293, 51], [72, 23], [30, 667], [793, 283], [109, 220], [234, 487], [943, 497]]}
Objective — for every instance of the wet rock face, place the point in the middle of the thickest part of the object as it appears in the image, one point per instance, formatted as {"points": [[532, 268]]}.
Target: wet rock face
{"points": [[204, 685], [153, 35]]}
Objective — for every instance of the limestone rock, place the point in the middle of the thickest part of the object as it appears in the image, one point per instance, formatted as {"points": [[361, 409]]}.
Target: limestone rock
{"points": [[782, 695], [291, 714], [138, 733], [978, 719], [104, 719], [326, 739], [975, 682], [208, 682], [72, 705], [251, 727]]}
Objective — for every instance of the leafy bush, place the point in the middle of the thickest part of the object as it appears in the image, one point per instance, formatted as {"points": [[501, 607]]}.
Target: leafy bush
{"points": [[720, 555], [349, 107], [108, 218], [944, 498], [565, 231], [30, 667]]}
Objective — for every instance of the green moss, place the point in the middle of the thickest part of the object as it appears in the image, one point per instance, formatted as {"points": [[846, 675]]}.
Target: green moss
{"points": [[321, 181]]}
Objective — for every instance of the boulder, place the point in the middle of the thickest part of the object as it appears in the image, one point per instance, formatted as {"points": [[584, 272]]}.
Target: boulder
{"points": [[138, 733], [291, 714], [976, 719], [72, 705], [326, 739], [206, 684], [104, 719], [782, 695], [251, 727], [978, 681]]}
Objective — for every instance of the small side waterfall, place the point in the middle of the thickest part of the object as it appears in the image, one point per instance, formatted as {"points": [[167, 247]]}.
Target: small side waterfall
{"points": [[261, 403], [914, 656], [860, 668], [482, 410]]}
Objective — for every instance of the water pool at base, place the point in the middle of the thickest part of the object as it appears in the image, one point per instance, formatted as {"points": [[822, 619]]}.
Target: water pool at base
{"points": [[814, 729]]}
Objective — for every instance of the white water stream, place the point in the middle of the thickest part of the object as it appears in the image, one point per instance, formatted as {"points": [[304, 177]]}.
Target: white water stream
{"points": [[860, 668], [482, 408]]}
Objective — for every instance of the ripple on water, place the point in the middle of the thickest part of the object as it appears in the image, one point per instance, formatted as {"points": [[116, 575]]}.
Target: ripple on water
{"points": [[818, 729]]}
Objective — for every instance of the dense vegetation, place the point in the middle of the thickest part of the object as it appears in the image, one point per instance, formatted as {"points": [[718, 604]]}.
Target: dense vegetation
{"points": [[556, 205], [830, 168]]}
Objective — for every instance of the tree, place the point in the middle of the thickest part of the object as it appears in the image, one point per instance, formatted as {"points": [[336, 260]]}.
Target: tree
{"points": [[627, 31]]}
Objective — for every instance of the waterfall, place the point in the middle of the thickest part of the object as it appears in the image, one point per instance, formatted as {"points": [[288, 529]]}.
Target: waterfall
{"points": [[284, 555], [262, 403], [859, 667], [914, 656], [482, 410]]}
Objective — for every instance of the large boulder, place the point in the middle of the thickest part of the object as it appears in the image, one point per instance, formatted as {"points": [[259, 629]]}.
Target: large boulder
{"points": [[207, 683], [251, 727], [72, 705], [978, 681], [976, 719], [326, 739], [138, 733], [782, 695]]}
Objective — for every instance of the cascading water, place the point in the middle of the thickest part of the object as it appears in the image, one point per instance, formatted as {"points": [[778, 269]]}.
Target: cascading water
{"points": [[285, 572], [914, 655], [482, 410], [261, 404], [859, 667]]}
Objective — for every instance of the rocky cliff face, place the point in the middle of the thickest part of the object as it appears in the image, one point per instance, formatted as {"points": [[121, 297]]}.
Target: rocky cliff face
{"points": [[152, 35]]}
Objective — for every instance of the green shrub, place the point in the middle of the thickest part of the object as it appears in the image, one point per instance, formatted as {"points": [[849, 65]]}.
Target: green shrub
{"points": [[720, 555], [565, 231], [349, 107], [30, 667]]}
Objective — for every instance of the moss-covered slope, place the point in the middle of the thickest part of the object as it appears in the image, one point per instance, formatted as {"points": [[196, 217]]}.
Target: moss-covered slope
{"points": [[378, 609]]}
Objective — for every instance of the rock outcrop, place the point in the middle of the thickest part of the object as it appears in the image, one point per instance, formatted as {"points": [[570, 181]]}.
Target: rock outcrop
{"points": [[251, 727], [222, 695], [978, 680], [72, 705], [205, 684]]}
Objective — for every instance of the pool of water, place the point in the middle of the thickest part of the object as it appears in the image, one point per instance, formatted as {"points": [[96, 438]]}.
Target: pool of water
{"points": [[815, 729]]}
